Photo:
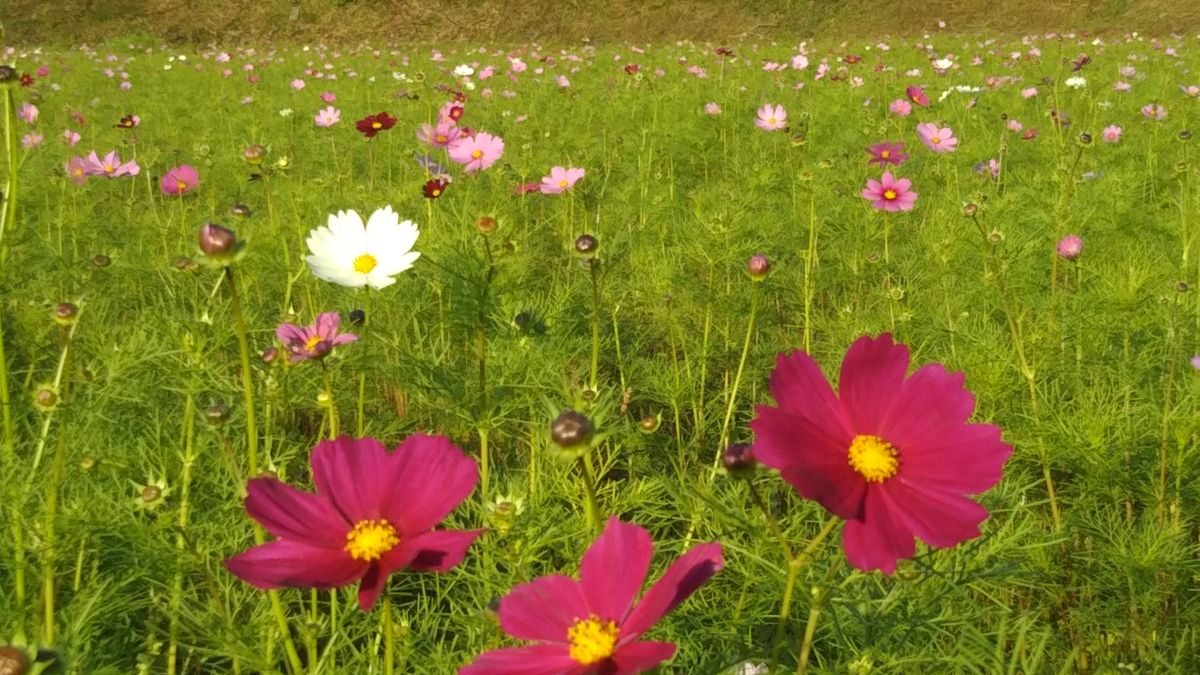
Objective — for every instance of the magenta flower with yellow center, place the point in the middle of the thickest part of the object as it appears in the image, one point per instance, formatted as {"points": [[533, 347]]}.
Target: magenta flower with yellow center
{"points": [[890, 453], [937, 139], [594, 625], [373, 514], [890, 193], [315, 341], [180, 180]]}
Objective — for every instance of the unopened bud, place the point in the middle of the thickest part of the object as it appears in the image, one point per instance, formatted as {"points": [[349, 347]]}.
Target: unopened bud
{"points": [[216, 414], [758, 267], [218, 243], [586, 245], [486, 224], [970, 209], [65, 313], [571, 431], [254, 154], [738, 458], [240, 210], [100, 260]]}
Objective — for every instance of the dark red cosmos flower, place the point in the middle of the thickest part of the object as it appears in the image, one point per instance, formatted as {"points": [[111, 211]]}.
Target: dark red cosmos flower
{"points": [[434, 188], [724, 51], [632, 69], [455, 113], [373, 124], [1029, 134], [852, 58], [129, 122], [26, 80], [917, 95]]}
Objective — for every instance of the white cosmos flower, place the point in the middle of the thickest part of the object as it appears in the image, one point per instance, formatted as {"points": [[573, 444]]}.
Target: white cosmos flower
{"points": [[348, 253], [464, 71], [1076, 82]]}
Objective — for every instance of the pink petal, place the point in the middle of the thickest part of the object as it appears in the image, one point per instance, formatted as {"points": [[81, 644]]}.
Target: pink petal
{"points": [[327, 324], [288, 333], [966, 460], [871, 376], [427, 479], [926, 406], [535, 660], [879, 539], [440, 550], [640, 657], [614, 569], [543, 609], [291, 514], [354, 475], [293, 564], [681, 579], [815, 462], [937, 518]]}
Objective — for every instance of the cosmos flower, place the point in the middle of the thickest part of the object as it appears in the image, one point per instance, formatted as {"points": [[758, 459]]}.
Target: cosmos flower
{"points": [[560, 180], [771, 117], [1111, 134], [297, 84], [937, 139], [129, 122], [434, 188], [884, 154], [890, 193], [372, 515], [111, 166], [28, 112], [893, 455], [327, 117], [1070, 246], [31, 140], [900, 107], [371, 125], [315, 341], [1154, 111], [77, 170], [711, 108], [1029, 92], [348, 253], [594, 625], [916, 95], [440, 136], [70, 137], [180, 180], [1076, 82], [476, 152]]}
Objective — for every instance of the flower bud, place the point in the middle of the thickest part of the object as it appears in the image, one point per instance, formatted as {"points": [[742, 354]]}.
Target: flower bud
{"points": [[1182, 286], [65, 313], [13, 660], [240, 210], [571, 431], [758, 267], [738, 459], [486, 224], [586, 245], [45, 398], [216, 414], [254, 154], [1185, 136], [1085, 139], [100, 260], [270, 354], [650, 423], [358, 317], [219, 243]]}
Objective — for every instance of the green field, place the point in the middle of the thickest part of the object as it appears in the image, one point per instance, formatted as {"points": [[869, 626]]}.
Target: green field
{"points": [[134, 417]]}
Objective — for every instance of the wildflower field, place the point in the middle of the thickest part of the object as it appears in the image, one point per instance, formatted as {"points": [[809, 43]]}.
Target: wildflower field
{"points": [[696, 358]]}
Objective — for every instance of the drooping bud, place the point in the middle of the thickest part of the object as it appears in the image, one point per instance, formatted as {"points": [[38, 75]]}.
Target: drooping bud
{"points": [[650, 423], [758, 267], [738, 459], [358, 317], [240, 210], [13, 660], [66, 313], [586, 245], [254, 154], [219, 244], [572, 432], [970, 209]]}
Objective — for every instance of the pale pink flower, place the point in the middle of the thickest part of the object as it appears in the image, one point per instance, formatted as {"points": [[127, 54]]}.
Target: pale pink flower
{"points": [[771, 117], [1111, 134], [560, 180], [223, 58], [562, 81], [77, 170], [445, 133], [31, 140], [1029, 92], [1070, 246], [111, 166], [1154, 111], [1122, 86], [1014, 126], [712, 108], [1191, 90], [937, 139], [327, 117], [799, 62], [28, 112], [476, 152], [71, 138], [900, 107], [517, 65], [297, 84], [126, 85], [328, 96]]}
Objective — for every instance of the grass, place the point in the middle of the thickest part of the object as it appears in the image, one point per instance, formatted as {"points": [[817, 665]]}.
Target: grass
{"points": [[1084, 364]]}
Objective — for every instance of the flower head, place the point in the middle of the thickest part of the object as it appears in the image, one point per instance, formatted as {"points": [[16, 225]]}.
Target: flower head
{"points": [[884, 154], [129, 122], [327, 117], [111, 166], [900, 107], [440, 136], [916, 95], [31, 140], [77, 170], [1070, 246], [373, 514], [349, 253], [180, 180], [712, 108], [28, 112], [1154, 111], [594, 625], [937, 139], [315, 341], [560, 180], [70, 137], [373, 124], [890, 193], [434, 188], [476, 152], [891, 454], [1111, 134], [771, 117]]}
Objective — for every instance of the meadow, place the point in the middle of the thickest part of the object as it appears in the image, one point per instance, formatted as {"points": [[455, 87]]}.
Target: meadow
{"points": [[602, 343]]}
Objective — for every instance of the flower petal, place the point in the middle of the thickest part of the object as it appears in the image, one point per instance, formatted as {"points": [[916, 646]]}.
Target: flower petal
{"points": [[938, 518], [534, 660], [543, 609], [871, 376], [428, 477], [966, 460], [289, 513], [879, 539], [640, 657], [353, 474], [681, 579], [814, 462], [930, 403], [439, 550], [614, 568], [293, 564]]}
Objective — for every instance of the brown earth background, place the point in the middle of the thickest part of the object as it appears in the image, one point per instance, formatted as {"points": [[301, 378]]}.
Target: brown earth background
{"points": [[65, 22]]}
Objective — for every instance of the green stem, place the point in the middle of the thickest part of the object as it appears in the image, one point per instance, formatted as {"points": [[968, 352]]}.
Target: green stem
{"points": [[484, 463], [8, 208], [591, 505], [595, 323], [737, 378], [809, 262], [51, 554], [185, 480], [389, 636], [814, 612], [771, 522], [794, 566]]}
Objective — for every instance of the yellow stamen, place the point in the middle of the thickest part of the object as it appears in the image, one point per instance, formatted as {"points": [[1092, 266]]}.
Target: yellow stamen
{"points": [[376, 125], [873, 458], [771, 121], [592, 640], [364, 263], [885, 154], [563, 184], [476, 154], [310, 345], [889, 194], [370, 539], [935, 140], [441, 138], [180, 185]]}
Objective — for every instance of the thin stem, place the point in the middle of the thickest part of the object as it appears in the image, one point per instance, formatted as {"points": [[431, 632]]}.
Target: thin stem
{"points": [[48, 539], [814, 612], [809, 259], [794, 566], [185, 480], [591, 505], [389, 636], [484, 463], [771, 522], [595, 323], [737, 378]]}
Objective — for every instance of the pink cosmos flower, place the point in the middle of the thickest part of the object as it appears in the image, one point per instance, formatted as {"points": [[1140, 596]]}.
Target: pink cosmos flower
{"points": [[71, 138], [887, 153], [373, 514], [1070, 246], [327, 117], [1029, 92], [937, 139], [1014, 126], [328, 97], [180, 180], [28, 112], [594, 625], [900, 107], [711, 108], [111, 166], [562, 81], [890, 194], [445, 133], [1111, 133], [77, 170], [916, 95], [313, 342], [892, 455], [517, 65], [476, 152], [1191, 90], [771, 117], [451, 112], [1154, 111], [560, 180], [31, 140], [1122, 86], [126, 85]]}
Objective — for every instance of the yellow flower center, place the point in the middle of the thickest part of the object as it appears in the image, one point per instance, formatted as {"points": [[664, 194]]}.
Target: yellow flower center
{"points": [[889, 194], [935, 140], [563, 184], [310, 346], [771, 120], [592, 640], [180, 185], [370, 539], [364, 263], [873, 458], [885, 154], [376, 125], [441, 138], [476, 154], [436, 192]]}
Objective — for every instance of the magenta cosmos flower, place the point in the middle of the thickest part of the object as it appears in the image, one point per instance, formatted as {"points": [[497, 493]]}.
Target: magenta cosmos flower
{"points": [[887, 153], [890, 193], [373, 514], [937, 139], [476, 152], [916, 95], [560, 180], [1070, 246], [593, 625], [440, 136], [892, 455], [771, 117], [315, 341], [180, 180]]}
